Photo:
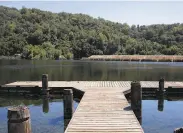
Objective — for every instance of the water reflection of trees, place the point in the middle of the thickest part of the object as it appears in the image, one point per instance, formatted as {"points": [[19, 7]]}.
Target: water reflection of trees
{"points": [[6, 101], [15, 101], [77, 70]]}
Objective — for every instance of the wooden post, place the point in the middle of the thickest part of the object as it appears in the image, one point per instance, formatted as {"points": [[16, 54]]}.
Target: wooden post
{"points": [[19, 120], [45, 84], [178, 130], [161, 85], [68, 103], [160, 94], [136, 99]]}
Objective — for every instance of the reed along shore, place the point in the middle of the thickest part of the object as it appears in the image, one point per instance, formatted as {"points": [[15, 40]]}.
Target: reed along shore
{"points": [[143, 58]]}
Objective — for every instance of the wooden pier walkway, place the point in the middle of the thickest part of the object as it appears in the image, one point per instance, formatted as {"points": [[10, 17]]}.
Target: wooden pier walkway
{"points": [[104, 110], [84, 85], [103, 107]]}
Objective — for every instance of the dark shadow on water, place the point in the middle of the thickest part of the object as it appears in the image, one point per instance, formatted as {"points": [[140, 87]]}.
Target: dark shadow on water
{"points": [[128, 108], [161, 99], [45, 105]]}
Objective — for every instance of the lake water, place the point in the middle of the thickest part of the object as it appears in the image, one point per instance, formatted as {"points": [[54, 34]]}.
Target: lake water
{"points": [[153, 121], [13, 70], [44, 118]]}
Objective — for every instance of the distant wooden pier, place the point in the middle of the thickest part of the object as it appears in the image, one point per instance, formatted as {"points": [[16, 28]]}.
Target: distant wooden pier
{"points": [[141, 58], [103, 107]]}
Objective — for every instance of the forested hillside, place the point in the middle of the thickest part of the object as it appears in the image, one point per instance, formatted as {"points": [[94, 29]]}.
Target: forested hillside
{"points": [[37, 34]]}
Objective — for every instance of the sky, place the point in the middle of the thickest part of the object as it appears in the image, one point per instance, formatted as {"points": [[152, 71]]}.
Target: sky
{"points": [[131, 12]]}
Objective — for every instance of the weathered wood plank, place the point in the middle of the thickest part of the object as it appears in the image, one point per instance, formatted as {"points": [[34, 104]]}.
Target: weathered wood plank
{"points": [[103, 108], [96, 84]]}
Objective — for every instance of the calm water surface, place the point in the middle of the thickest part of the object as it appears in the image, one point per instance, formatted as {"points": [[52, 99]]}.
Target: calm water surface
{"points": [[13, 70], [48, 118], [153, 121]]}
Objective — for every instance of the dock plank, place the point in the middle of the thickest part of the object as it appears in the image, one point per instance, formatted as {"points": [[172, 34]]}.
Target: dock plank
{"points": [[103, 108]]}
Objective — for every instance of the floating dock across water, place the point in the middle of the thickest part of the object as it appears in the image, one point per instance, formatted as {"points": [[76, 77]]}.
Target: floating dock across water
{"points": [[103, 107]]}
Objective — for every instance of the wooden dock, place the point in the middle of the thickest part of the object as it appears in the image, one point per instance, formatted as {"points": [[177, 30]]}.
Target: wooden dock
{"points": [[104, 111], [103, 108], [84, 85]]}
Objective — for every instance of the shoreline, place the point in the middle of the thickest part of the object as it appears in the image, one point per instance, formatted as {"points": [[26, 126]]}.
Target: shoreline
{"points": [[130, 58], [140, 58]]}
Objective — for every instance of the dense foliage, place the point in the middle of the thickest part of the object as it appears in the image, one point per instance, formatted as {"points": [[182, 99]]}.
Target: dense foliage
{"points": [[37, 34]]}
